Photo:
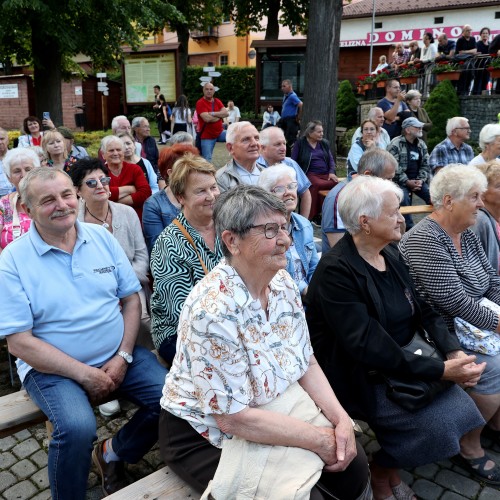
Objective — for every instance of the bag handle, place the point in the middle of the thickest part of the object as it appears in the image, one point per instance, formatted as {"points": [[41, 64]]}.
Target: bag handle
{"points": [[183, 230]]}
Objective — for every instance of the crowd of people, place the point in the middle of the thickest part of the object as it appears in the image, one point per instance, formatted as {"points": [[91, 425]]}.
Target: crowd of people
{"points": [[266, 346]]}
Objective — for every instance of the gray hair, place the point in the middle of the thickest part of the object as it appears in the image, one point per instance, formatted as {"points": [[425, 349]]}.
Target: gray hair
{"points": [[17, 155], [181, 137], [237, 209], [310, 127], [114, 122], [265, 135], [234, 130], [270, 175], [454, 123], [106, 141], [412, 94], [364, 196], [43, 174], [488, 134], [456, 180], [375, 160], [371, 114], [136, 122]]}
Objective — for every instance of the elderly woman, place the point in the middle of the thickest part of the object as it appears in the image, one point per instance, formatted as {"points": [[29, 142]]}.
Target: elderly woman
{"points": [[451, 270], [162, 208], [54, 147], [14, 221], [363, 311], [367, 140], [487, 225], [489, 142], [130, 155], [414, 102], [128, 183], [243, 345], [185, 251], [91, 180], [302, 257], [314, 156]]}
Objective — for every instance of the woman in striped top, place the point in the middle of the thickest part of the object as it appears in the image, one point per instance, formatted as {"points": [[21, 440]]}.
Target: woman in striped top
{"points": [[452, 272]]}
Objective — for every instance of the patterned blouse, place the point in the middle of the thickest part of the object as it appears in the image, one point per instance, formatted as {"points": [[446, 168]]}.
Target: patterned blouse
{"points": [[451, 283], [176, 269], [229, 355], [6, 235]]}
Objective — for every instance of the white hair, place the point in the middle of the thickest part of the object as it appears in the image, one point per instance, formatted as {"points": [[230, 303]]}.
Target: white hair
{"points": [[456, 180], [234, 129], [116, 119], [106, 141], [18, 155], [454, 123], [488, 134], [265, 135], [270, 175]]}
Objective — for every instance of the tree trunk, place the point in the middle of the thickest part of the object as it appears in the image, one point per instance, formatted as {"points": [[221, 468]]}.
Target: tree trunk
{"points": [[183, 37], [47, 75], [321, 65], [273, 27]]}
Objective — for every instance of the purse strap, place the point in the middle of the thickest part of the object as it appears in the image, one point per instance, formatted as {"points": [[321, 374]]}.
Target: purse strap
{"points": [[183, 230]]}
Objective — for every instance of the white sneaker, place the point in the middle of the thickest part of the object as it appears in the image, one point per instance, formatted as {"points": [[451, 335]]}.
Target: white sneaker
{"points": [[110, 409]]}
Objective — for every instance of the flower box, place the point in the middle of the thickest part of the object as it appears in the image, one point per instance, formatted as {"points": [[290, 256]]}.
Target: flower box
{"points": [[407, 80], [448, 75]]}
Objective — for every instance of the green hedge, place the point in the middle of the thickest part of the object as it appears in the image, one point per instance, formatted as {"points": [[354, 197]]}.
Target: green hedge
{"points": [[347, 106], [236, 84]]}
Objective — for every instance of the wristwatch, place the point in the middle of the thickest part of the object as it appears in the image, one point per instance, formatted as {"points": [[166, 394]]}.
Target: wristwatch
{"points": [[126, 356]]}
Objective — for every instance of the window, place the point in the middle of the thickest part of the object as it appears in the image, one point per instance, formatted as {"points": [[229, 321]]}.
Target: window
{"points": [[497, 15], [223, 60], [378, 26], [278, 67], [438, 20]]}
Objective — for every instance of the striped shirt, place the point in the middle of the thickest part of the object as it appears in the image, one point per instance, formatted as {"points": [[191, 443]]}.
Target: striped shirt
{"points": [[451, 283]]}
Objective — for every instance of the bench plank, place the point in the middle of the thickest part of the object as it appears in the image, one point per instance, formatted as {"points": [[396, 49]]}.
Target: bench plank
{"points": [[18, 412], [416, 209], [163, 483]]}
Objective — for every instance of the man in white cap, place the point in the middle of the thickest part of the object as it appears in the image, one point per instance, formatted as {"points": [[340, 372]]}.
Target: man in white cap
{"points": [[413, 172]]}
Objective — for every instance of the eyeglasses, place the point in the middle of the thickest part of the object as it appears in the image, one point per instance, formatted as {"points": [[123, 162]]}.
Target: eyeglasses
{"points": [[281, 189], [271, 229], [92, 183], [463, 128]]}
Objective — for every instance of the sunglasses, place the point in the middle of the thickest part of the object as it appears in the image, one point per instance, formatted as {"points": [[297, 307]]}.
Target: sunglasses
{"points": [[92, 183]]}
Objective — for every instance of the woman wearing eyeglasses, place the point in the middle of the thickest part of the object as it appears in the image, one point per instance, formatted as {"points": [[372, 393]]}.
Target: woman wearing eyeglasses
{"points": [[302, 257], [92, 180]]}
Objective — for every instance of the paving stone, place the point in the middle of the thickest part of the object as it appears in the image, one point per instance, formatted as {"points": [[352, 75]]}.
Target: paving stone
{"points": [[489, 493], [43, 495], [426, 490], [458, 483], [428, 471], [40, 458], [153, 458], [22, 490], [22, 435], [6, 479], [41, 478], [407, 477], [26, 448], [7, 443], [23, 469], [6, 460], [449, 495]]}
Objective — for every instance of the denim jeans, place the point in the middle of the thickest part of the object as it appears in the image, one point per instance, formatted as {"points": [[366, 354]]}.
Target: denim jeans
{"points": [[422, 193], [68, 409], [208, 145]]}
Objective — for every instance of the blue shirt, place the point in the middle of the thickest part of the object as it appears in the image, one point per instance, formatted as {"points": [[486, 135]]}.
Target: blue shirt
{"points": [[71, 301], [290, 105], [5, 186], [331, 221], [303, 183]]}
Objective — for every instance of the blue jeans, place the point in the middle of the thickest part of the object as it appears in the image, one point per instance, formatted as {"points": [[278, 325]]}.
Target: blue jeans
{"points": [[68, 409], [208, 145], [422, 193]]}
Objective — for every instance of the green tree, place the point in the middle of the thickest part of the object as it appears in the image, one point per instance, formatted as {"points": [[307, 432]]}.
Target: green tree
{"points": [[347, 105], [248, 16], [443, 103], [48, 33]]}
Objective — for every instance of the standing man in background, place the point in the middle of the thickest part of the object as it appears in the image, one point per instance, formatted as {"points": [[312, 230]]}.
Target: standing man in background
{"points": [[291, 113]]}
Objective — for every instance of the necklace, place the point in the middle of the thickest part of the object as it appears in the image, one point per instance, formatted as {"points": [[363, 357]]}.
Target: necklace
{"points": [[105, 225]]}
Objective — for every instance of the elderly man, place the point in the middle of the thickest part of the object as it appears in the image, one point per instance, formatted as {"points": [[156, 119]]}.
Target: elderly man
{"points": [[211, 113], [453, 149], [242, 142], [466, 48], [234, 114], [71, 312], [78, 152], [273, 151], [120, 125], [400, 56], [291, 114], [377, 115], [413, 172], [394, 108], [445, 48], [375, 162], [5, 186]]}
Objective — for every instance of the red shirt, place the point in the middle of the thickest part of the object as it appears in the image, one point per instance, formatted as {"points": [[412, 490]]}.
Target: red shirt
{"points": [[210, 130], [131, 175]]}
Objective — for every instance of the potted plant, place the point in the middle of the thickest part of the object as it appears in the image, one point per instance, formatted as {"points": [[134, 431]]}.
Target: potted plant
{"points": [[447, 70], [366, 81], [408, 73], [382, 76], [494, 67]]}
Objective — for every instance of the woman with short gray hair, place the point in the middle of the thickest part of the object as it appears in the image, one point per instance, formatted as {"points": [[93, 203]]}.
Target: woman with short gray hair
{"points": [[451, 270], [363, 311], [489, 142], [414, 101], [302, 257]]}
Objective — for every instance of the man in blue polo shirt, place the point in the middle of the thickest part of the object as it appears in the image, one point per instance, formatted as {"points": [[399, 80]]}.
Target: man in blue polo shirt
{"points": [[291, 113], [71, 312]]}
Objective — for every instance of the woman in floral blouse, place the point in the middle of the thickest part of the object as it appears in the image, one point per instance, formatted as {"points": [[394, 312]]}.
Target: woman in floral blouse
{"points": [[243, 349]]}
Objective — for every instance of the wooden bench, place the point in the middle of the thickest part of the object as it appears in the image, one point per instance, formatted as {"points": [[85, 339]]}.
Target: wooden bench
{"points": [[18, 412], [416, 209]]}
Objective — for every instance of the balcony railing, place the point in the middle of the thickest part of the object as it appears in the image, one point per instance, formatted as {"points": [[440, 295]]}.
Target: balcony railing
{"points": [[212, 33]]}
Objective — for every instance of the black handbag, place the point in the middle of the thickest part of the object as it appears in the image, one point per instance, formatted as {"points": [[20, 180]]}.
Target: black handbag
{"points": [[410, 393]]}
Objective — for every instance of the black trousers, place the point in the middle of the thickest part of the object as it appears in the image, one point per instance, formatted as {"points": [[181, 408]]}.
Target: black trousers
{"points": [[195, 460]]}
